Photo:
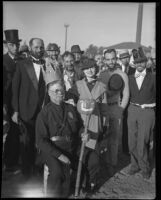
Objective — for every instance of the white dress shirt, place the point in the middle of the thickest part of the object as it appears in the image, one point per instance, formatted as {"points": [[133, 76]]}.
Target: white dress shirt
{"points": [[37, 68], [140, 77]]}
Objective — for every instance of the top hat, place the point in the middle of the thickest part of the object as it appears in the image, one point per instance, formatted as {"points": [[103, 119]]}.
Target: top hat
{"points": [[76, 49], [52, 75], [88, 63], [52, 47], [11, 36], [115, 82], [124, 54], [140, 56]]}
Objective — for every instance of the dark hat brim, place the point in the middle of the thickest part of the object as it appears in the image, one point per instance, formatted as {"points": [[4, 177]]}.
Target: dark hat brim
{"points": [[12, 41], [140, 60], [127, 56], [77, 52]]}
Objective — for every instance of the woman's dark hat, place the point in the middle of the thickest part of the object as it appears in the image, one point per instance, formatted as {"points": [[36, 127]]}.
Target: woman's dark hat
{"points": [[11, 36], [88, 63]]}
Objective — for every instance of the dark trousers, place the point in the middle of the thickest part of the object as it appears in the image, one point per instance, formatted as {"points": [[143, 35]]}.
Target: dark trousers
{"points": [[114, 134], [59, 176], [91, 166], [28, 149], [11, 146], [141, 124], [125, 147]]}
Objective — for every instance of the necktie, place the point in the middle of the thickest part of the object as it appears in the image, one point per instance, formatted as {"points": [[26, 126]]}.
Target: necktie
{"points": [[139, 74]]}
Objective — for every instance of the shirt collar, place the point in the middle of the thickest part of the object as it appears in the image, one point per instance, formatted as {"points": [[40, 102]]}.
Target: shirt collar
{"points": [[11, 56], [68, 74], [143, 72]]}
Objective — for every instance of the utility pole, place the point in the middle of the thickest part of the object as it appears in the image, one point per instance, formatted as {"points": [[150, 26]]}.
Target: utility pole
{"points": [[66, 27], [139, 23]]}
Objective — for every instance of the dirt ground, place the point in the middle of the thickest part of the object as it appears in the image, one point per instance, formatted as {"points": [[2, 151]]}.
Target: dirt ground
{"points": [[119, 186]]}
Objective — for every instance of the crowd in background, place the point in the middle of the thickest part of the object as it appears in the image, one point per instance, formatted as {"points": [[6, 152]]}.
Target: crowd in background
{"points": [[42, 93]]}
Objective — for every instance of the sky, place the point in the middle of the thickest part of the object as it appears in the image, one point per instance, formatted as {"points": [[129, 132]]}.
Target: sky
{"points": [[97, 23]]}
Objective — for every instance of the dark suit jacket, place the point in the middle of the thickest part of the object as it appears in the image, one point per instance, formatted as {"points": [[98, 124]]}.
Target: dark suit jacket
{"points": [[28, 94], [9, 67]]}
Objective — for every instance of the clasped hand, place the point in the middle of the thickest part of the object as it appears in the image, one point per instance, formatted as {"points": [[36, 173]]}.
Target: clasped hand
{"points": [[85, 137]]}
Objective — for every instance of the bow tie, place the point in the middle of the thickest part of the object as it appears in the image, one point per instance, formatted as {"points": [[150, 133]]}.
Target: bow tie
{"points": [[38, 62], [139, 74]]}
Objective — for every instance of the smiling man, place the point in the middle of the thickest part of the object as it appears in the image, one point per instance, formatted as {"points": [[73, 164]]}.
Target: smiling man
{"points": [[141, 116]]}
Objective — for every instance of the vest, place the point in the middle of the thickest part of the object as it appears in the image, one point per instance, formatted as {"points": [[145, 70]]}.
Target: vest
{"points": [[95, 122], [146, 94]]}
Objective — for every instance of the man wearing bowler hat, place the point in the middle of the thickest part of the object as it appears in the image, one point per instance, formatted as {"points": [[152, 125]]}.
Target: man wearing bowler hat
{"points": [[11, 148], [115, 105], [141, 116], [78, 55]]}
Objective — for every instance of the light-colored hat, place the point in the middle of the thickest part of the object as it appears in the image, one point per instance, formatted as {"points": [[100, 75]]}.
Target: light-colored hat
{"points": [[52, 47], [52, 75], [124, 54]]}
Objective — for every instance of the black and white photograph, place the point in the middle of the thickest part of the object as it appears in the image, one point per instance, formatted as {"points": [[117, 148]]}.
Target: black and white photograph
{"points": [[79, 100]]}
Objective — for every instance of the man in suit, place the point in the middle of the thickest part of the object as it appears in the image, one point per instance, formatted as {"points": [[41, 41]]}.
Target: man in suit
{"points": [[28, 95], [11, 146], [141, 116]]}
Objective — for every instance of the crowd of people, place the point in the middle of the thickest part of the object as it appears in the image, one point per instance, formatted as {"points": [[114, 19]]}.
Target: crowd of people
{"points": [[48, 97]]}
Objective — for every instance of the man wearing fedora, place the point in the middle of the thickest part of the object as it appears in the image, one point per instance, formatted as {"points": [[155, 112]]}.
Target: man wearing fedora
{"points": [[141, 116], [116, 106], [28, 90], [124, 57], [78, 55], [53, 52], [11, 148]]}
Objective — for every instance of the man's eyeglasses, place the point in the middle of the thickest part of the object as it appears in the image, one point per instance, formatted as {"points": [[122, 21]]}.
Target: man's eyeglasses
{"points": [[57, 91]]}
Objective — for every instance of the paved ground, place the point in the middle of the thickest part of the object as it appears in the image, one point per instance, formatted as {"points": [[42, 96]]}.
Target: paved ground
{"points": [[119, 186]]}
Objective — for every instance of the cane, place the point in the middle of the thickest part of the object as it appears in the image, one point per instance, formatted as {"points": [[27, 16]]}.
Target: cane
{"points": [[84, 107]]}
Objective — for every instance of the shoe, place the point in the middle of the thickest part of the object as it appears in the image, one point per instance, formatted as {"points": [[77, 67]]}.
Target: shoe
{"points": [[145, 175], [91, 190], [133, 171]]}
